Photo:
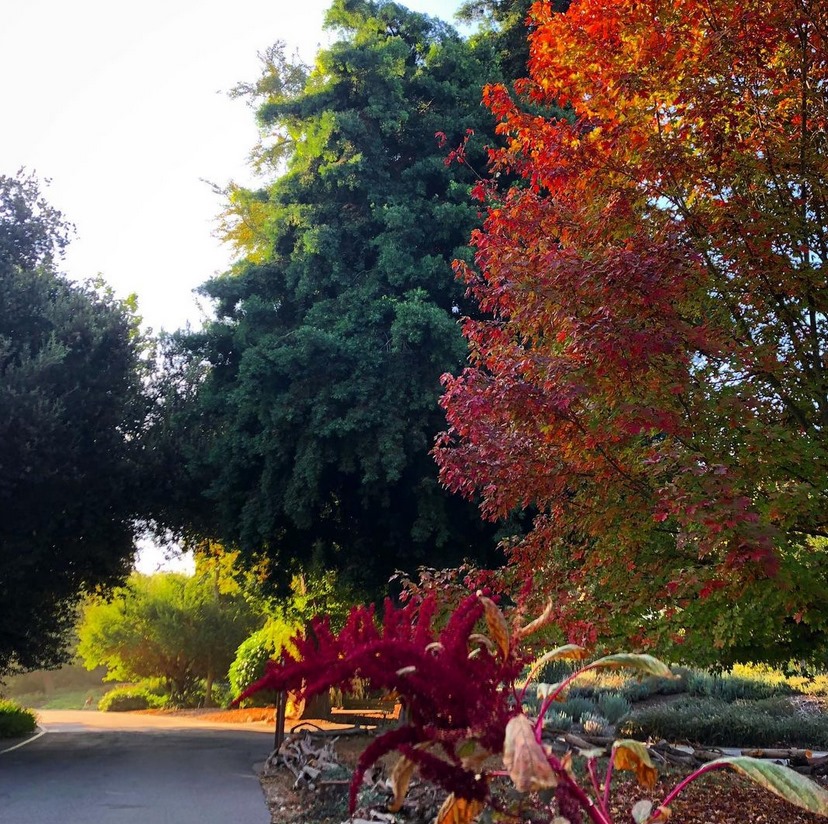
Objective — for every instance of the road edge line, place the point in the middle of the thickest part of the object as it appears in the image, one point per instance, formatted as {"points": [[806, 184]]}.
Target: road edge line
{"points": [[23, 743]]}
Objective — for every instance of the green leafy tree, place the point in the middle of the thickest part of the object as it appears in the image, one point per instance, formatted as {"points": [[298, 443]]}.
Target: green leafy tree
{"points": [[312, 595], [319, 407], [171, 626], [71, 409], [504, 26]]}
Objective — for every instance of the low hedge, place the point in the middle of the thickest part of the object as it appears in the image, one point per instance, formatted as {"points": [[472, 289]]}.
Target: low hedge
{"points": [[731, 688], [126, 699], [15, 720], [769, 723]]}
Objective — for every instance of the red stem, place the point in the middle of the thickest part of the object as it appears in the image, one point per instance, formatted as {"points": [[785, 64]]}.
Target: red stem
{"points": [[608, 781], [550, 699], [593, 776], [596, 814], [713, 765]]}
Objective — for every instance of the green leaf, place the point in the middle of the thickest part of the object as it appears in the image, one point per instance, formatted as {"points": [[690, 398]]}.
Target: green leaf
{"points": [[568, 652], [790, 785], [629, 660]]}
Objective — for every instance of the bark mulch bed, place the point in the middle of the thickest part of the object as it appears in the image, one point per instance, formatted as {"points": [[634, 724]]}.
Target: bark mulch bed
{"points": [[718, 798]]}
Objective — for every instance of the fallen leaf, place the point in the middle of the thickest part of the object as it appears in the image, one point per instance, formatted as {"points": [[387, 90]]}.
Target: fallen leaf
{"points": [[458, 811], [634, 756], [400, 779]]}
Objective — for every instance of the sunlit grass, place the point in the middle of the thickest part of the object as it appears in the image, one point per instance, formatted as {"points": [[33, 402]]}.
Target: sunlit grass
{"points": [[64, 699]]}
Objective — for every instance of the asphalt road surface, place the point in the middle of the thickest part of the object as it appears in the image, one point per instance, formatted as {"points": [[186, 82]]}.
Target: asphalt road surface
{"points": [[111, 768]]}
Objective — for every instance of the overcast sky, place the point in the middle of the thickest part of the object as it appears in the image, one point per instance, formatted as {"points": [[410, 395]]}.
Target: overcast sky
{"points": [[124, 107]]}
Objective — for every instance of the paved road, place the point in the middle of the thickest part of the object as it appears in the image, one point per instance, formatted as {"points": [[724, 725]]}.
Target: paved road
{"points": [[108, 768]]}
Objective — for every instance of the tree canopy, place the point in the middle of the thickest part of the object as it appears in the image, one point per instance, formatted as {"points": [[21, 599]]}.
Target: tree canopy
{"points": [[653, 374], [71, 410], [504, 26], [320, 402]]}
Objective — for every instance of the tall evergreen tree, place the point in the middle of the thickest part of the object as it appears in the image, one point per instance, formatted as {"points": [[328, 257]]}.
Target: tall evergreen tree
{"points": [[319, 408], [504, 26]]}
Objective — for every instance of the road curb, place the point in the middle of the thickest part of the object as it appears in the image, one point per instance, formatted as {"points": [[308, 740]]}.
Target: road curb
{"points": [[25, 741]]}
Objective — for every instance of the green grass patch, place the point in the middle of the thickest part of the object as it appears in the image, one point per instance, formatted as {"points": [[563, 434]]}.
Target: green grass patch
{"points": [[64, 699]]}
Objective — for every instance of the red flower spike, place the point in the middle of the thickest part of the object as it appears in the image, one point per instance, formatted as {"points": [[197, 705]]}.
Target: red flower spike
{"points": [[449, 696]]}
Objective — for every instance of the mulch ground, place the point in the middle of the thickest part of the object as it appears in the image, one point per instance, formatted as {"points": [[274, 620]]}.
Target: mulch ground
{"points": [[718, 798], [723, 798]]}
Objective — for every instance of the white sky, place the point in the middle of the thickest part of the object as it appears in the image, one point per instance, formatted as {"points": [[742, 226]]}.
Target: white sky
{"points": [[124, 107]]}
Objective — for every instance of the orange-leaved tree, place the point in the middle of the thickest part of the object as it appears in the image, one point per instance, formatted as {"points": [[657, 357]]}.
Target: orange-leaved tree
{"points": [[651, 376]]}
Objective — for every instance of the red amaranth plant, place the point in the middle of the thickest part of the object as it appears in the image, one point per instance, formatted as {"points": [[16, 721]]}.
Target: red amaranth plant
{"points": [[456, 685], [463, 708]]}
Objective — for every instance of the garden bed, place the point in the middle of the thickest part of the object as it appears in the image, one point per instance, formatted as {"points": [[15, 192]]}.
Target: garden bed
{"points": [[723, 798]]}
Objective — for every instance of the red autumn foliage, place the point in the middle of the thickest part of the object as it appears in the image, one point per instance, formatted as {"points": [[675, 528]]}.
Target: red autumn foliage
{"points": [[652, 372]]}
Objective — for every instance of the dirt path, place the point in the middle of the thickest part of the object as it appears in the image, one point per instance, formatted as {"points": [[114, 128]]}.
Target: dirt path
{"points": [[64, 720]]}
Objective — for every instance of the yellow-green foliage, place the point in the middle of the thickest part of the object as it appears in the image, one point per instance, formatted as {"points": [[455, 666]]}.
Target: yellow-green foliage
{"points": [[760, 672], [129, 698], [818, 685], [813, 685], [15, 720], [254, 652]]}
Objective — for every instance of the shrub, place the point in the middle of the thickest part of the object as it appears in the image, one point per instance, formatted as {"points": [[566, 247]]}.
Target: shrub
{"points": [[557, 721], [614, 707], [15, 720], [594, 723], [252, 655], [555, 671], [531, 702], [154, 686], [222, 693], [717, 723], [587, 691], [641, 690], [576, 707], [125, 699], [730, 688], [818, 685]]}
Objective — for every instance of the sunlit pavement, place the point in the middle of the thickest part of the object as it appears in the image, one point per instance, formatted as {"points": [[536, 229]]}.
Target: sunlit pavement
{"points": [[69, 720], [122, 768]]}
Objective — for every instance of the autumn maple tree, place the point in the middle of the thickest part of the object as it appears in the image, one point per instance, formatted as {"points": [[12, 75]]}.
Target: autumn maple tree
{"points": [[651, 375]]}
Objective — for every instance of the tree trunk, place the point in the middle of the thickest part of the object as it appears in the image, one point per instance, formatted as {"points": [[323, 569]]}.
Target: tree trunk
{"points": [[318, 707], [208, 688], [48, 682]]}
